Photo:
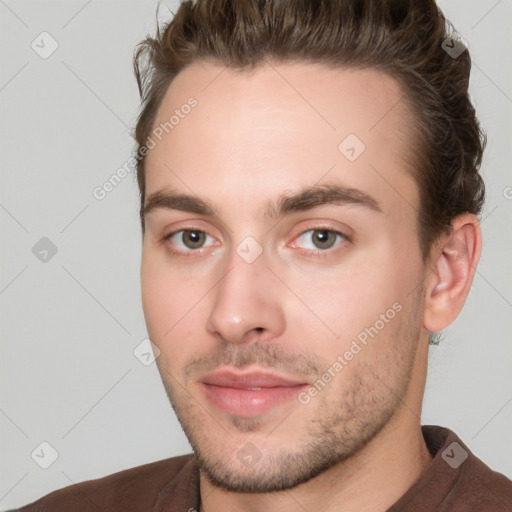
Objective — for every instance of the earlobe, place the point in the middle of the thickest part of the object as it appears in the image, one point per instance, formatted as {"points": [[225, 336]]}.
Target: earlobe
{"points": [[453, 269]]}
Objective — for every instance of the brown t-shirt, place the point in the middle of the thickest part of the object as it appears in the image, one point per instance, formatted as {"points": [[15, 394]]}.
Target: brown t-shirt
{"points": [[454, 481]]}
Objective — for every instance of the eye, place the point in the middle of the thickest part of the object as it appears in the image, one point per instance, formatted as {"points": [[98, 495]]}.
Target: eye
{"points": [[320, 239], [187, 240]]}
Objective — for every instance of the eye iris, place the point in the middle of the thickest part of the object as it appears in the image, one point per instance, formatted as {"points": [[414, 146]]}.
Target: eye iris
{"points": [[193, 239], [321, 239]]}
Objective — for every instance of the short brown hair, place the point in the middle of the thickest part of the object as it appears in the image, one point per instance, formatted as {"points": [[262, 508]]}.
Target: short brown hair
{"points": [[403, 38]]}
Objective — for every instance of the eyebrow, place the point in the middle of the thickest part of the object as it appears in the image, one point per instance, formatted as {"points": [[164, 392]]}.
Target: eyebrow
{"points": [[305, 199]]}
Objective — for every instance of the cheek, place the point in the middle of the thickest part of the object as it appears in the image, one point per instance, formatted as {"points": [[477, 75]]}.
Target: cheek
{"points": [[163, 297], [352, 300], [153, 297], [346, 300], [171, 305]]}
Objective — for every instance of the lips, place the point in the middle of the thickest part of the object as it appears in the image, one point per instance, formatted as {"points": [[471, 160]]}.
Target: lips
{"points": [[249, 394], [248, 380]]}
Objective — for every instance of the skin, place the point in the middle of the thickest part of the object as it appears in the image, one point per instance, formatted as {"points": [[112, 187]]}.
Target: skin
{"points": [[252, 138]]}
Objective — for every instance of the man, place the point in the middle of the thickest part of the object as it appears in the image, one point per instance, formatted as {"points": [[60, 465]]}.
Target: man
{"points": [[309, 199]]}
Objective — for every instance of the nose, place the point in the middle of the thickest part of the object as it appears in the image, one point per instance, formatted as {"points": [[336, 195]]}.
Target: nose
{"points": [[246, 303]]}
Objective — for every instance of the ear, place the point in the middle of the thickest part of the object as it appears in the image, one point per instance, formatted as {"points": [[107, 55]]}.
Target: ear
{"points": [[454, 259]]}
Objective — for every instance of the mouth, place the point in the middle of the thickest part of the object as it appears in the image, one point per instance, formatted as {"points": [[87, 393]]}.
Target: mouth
{"points": [[249, 394]]}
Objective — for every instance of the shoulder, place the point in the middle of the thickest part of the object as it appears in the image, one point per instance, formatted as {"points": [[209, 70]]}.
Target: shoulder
{"points": [[473, 484], [482, 488], [132, 489]]}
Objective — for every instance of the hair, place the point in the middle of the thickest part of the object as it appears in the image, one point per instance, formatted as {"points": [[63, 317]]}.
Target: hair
{"points": [[403, 38]]}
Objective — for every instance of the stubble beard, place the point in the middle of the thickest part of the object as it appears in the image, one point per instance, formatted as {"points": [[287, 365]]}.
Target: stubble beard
{"points": [[340, 424]]}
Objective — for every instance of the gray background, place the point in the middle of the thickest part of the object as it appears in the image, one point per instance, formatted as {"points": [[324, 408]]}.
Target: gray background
{"points": [[70, 325]]}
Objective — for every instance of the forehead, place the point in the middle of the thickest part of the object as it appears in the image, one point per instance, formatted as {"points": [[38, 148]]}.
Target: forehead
{"points": [[281, 127]]}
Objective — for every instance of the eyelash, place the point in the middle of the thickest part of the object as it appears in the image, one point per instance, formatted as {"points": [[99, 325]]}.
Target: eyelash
{"points": [[317, 254]]}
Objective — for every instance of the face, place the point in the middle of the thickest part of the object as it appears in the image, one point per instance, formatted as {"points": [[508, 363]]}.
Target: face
{"points": [[281, 265]]}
